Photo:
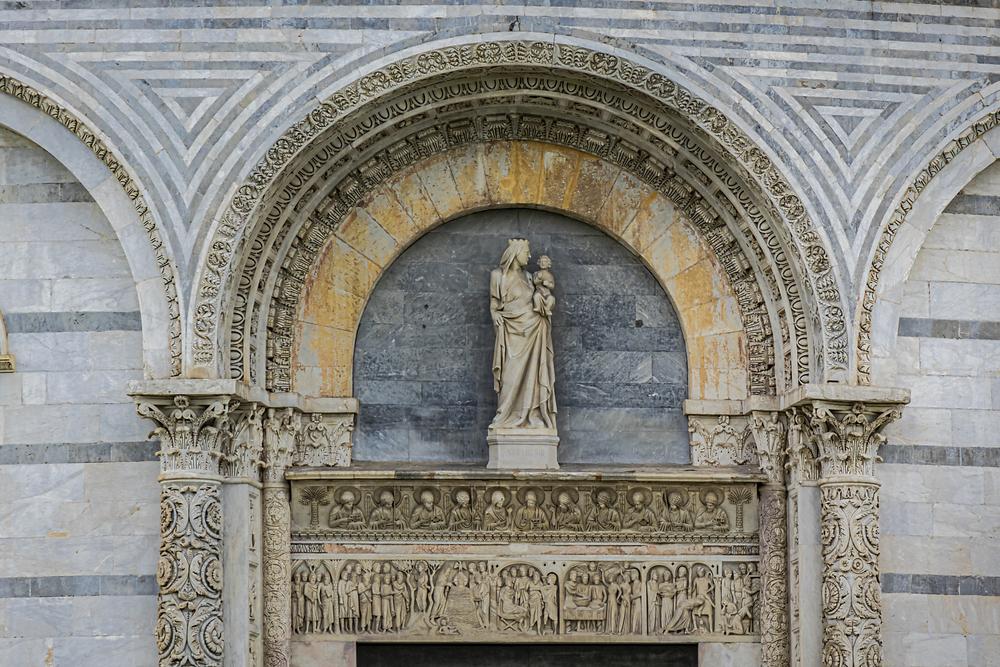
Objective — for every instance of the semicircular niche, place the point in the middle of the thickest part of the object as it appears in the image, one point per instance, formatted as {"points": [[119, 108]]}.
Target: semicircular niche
{"points": [[424, 347]]}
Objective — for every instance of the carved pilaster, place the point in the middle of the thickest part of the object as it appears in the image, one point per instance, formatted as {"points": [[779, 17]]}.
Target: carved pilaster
{"points": [[193, 435], [281, 431], [769, 437], [241, 496], [848, 437]]}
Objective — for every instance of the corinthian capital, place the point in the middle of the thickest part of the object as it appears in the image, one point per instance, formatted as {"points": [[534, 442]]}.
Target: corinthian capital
{"points": [[849, 437], [192, 433]]}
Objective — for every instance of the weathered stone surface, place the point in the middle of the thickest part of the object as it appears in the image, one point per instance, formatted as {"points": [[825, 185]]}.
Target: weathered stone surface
{"points": [[427, 376]]}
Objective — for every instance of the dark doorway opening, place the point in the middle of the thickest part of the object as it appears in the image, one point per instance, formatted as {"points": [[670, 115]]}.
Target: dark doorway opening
{"points": [[527, 655]]}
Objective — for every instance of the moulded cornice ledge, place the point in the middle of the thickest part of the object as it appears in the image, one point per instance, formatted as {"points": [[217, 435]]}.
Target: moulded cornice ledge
{"points": [[199, 388], [809, 393]]}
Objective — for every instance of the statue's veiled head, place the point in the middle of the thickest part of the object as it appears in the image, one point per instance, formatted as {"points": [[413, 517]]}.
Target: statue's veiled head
{"points": [[518, 252]]}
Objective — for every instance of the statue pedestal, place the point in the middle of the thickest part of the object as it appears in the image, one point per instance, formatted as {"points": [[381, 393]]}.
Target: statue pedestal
{"points": [[523, 448]]}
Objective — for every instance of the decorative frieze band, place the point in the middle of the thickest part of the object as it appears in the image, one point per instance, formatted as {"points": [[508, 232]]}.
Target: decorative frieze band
{"points": [[494, 511], [524, 599]]}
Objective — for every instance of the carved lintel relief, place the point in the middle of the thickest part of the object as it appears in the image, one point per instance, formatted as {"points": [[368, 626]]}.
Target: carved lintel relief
{"points": [[848, 437], [531, 511], [193, 435], [444, 598]]}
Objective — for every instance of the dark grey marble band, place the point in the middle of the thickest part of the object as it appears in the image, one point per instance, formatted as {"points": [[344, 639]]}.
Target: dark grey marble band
{"points": [[940, 584], [78, 585], [933, 455], [925, 327], [73, 452], [73, 321]]}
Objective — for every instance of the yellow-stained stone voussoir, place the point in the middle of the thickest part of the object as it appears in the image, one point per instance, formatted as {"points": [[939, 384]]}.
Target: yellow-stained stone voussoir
{"points": [[508, 174]]}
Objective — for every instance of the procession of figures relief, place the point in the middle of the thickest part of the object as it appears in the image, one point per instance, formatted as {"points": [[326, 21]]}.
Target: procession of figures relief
{"points": [[374, 510], [516, 601]]}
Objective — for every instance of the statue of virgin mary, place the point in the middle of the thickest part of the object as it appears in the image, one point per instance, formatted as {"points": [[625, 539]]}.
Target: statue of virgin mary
{"points": [[523, 369]]}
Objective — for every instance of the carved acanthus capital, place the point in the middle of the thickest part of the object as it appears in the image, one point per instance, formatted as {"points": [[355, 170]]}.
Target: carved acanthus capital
{"points": [[325, 440], [242, 458], [768, 432], [281, 430], [849, 436], [193, 433]]}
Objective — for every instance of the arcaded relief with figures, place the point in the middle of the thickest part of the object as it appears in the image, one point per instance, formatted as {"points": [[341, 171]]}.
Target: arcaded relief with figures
{"points": [[491, 511], [521, 600]]}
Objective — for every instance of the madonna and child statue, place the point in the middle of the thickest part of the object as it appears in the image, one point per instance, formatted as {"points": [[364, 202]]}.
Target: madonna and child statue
{"points": [[523, 432]]}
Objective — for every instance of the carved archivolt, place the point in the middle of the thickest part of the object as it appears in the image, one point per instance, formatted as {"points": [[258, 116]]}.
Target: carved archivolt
{"points": [[493, 511], [775, 260], [906, 204], [523, 599], [46, 105]]}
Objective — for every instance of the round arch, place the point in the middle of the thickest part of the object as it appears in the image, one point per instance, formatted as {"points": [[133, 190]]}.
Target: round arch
{"points": [[595, 98], [62, 135], [514, 174], [901, 239]]}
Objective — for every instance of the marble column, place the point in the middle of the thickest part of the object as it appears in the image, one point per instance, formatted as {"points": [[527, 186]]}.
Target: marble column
{"points": [[193, 432], [241, 497], [848, 437], [769, 437], [805, 572], [281, 431]]}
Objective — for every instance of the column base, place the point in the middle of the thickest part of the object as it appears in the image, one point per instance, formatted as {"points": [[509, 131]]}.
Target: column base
{"points": [[523, 448]]}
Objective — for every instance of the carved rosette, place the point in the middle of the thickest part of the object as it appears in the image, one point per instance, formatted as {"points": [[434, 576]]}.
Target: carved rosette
{"points": [[848, 440], [193, 436], [189, 575], [769, 436]]}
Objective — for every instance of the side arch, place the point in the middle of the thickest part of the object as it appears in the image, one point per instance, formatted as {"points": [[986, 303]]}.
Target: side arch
{"points": [[53, 128], [902, 237], [634, 115], [389, 219]]}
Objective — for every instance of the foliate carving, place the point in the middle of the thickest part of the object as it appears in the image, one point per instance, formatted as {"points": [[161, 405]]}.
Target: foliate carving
{"points": [[281, 433], [189, 576], [582, 61], [906, 204], [852, 603], [721, 443], [276, 576], [849, 439], [133, 191], [769, 437], [479, 599], [242, 457], [192, 436], [325, 441], [491, 511], [774, 614]]}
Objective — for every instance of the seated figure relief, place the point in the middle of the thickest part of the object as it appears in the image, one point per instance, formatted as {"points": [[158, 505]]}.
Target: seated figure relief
{"points": [[346, 513], [470, 511]]}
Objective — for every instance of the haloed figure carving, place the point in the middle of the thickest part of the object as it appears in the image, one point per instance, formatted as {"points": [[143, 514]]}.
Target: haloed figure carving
{"points": [[523, 369]]}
